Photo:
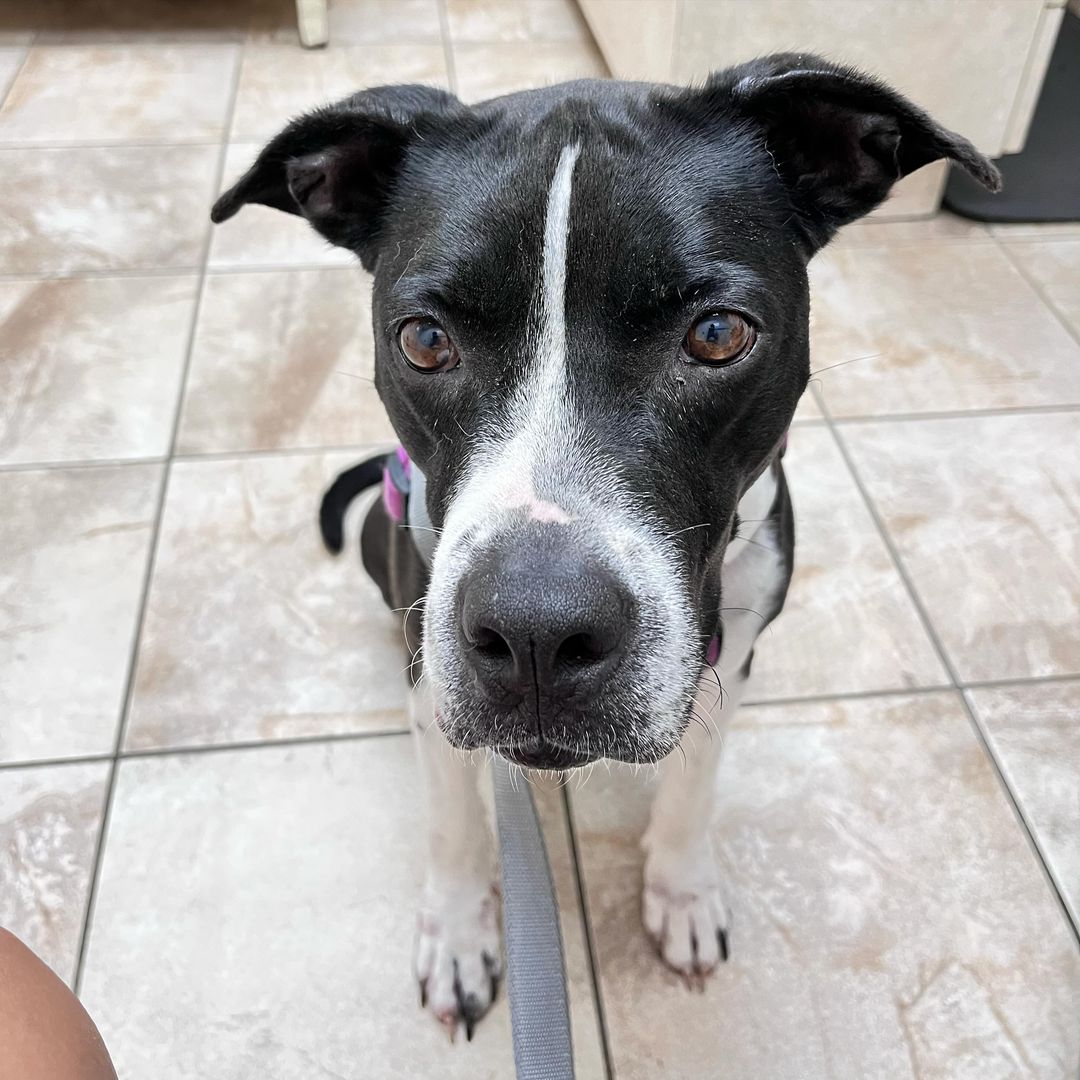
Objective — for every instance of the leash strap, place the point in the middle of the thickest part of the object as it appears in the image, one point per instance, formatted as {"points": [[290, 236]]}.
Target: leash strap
{"points": [[536, 971]]}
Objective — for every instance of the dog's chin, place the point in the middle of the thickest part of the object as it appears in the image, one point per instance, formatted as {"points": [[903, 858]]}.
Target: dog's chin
{"points": [[534, 751], [539, 754]]}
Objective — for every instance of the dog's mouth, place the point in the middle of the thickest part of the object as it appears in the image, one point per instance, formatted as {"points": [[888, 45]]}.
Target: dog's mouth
{"points": [[541, 754]]}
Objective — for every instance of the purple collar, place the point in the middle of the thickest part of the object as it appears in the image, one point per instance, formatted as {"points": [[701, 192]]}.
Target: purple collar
{"points": [[397, 482]]}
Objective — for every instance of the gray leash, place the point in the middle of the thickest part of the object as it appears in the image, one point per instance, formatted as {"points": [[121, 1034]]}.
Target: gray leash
{"points": [[536, 972]]}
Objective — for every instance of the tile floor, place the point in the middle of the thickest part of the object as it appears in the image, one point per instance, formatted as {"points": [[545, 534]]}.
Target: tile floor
{"points": [[205, 823]]}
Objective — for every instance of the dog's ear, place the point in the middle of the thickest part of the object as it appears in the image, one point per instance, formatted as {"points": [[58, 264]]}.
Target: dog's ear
{"points": [[838, 138], [336, 166]]}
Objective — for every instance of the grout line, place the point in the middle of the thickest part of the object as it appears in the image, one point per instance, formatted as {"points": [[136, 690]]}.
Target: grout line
{"points": [[448, 47], [590, 941], [82, 463], [151, 563], [956, 414], [848, 695], [188, 457], [1023, 680], [197, 749], [144, 143], [49, 763], [1036, 285], [110, 784], [90, 274], [261, 744], [225, 269], [214, 270], [924, 617], [355, 736], [18, 70]]}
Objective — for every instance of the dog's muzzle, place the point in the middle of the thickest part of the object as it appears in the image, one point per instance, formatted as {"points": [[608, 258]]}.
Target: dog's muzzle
{"points": [[542, 625]]}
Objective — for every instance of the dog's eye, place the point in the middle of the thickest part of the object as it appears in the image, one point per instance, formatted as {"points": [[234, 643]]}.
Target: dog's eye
{"points": [[721, 337], [426, 345]]}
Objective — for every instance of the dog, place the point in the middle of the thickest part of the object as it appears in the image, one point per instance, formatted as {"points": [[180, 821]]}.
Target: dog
{"points": [[590, 308]]}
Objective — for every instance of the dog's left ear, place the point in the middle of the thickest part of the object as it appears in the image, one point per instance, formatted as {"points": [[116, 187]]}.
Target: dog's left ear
{"points": [[337, 166], [838, 139]]}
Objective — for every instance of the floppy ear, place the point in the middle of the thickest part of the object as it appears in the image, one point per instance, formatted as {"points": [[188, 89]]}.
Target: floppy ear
{"points": [[336, 166], [839, 139]]}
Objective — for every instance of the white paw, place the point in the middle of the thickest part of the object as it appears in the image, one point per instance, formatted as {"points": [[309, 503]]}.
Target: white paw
{"points": [[458, 961], [686, 916]]}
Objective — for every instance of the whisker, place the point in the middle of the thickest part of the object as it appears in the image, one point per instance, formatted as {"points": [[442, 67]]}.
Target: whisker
{"points": [[753, 611], [689, 528], [842, 363]]}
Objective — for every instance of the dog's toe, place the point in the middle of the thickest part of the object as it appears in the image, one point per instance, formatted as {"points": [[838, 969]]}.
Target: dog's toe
{"points": [[457, 957], [690, 928]]}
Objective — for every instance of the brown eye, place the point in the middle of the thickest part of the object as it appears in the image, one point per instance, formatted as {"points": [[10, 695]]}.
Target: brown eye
{"points": [[720, 338], [426, 345]]}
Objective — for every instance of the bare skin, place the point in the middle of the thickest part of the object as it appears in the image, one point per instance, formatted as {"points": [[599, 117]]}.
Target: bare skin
{"points": [[44, 1031]]}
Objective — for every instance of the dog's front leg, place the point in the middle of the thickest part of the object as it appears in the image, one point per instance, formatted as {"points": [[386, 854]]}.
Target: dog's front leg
{"points": [[457, 950], [683, 905]]}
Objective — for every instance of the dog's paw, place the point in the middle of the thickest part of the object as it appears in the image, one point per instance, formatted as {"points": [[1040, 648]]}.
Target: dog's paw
{"points": [[458, 962], [686, 916]]}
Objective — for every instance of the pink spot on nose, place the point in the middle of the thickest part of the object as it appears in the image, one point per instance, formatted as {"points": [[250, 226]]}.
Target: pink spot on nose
{"points": [[541, 510], [523, 497]]}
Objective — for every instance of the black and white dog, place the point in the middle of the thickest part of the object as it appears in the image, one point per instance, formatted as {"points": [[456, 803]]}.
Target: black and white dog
{"points": [[591, 322]]}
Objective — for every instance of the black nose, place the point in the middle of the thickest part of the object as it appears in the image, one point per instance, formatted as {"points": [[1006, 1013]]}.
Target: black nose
{"points": [[540, 616]]}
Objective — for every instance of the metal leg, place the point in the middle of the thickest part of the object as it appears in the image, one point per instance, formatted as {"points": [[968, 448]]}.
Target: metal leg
{"points": [[312, 22]]}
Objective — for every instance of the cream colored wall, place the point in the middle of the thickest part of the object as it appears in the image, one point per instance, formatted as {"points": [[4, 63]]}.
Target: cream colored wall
{"points": [[975, 65]]}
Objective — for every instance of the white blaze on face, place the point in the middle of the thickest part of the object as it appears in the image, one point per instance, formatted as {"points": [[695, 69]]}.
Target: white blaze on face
{"points": [[502, 475], [540, 437]]}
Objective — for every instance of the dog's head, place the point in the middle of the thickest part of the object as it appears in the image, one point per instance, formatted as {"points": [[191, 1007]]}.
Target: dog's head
{"points": [[591, 321]]}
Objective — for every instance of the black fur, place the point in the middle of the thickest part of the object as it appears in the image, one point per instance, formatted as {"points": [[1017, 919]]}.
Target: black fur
{"points": [[341, 492]]}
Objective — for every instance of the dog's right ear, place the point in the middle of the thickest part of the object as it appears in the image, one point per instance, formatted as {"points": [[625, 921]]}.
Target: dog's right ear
{"points": [[337, 166]]}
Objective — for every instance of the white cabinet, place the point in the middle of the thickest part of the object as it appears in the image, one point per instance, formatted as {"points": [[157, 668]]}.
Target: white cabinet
{"points": [[976, 65]]}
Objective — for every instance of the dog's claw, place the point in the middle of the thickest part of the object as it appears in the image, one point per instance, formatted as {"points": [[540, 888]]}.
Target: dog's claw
{"points": [[457, 962], [688, 925]]}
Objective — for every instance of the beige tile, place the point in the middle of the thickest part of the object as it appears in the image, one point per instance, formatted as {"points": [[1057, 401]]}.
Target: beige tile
{"points": [[259, 236], [942, 328], [1056, 269], [941, 228], [105, 208], [94, 366], [75, 544], [11, 60], [1039, 230], [479, 21], [889, 919], [49, 820], [983, 511], [282, 940], [807, 408], [486, 71], [279, 81], [252, 630], [283, 359], [848, 623], [370, 22], [122, 92], [1035, 733]]}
